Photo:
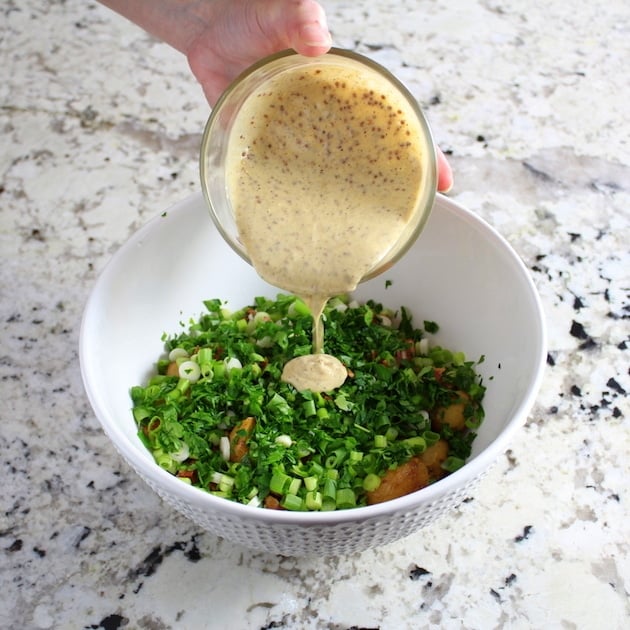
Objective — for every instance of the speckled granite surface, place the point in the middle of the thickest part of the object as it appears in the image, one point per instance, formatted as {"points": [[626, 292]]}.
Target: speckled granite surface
{"points": [[100, 130]]}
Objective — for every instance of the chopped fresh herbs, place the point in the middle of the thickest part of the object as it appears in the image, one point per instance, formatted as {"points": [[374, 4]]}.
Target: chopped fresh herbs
{"points": [[217, 415]]}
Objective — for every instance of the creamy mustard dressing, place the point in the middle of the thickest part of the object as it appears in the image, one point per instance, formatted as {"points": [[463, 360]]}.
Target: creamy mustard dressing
{"points": [[325, 168], [317, 372]]}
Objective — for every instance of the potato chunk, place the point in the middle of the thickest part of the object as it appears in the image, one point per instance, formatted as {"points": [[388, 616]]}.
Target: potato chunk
{"points": [[452, 414], [172, 369], [239, 437], [408, 477], [433, 457]]}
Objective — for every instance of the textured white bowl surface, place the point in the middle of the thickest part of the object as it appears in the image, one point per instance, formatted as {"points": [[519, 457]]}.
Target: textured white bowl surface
{"points": [[460, 273]]}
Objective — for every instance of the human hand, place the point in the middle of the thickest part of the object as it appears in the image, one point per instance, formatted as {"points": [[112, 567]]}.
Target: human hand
{"points": [[240, 32], [243, 31]]}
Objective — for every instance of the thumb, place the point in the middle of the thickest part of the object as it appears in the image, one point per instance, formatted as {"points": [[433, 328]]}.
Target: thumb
{"points": [[243, 31], [299, 24]]}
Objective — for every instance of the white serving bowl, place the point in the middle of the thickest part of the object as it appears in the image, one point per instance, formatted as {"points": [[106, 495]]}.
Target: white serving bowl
{"points": [[460, 273]]}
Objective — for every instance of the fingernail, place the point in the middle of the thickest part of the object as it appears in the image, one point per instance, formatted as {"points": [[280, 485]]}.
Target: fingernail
{"points": [[445, 173], [448, 189], [315, 35], [445, 185]]}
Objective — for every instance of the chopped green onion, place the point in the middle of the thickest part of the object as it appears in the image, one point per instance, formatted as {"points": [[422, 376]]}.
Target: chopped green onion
{"points": [[184, 384], [232, 363], [181, 454], [430, 437], [330, 488], [189, 370], [292, 502], [309, 408], [298, 309], [451, 464], [313, 500], [342, 402], [162, 367], [177, 353], [459, 358], [311, 483], [261, 317], [417, 444], [355, 456], [284, 440], [165, 461], [224, 447], [141, 413], [279, 483], [422, 346], [294, 486], [254, 501], [336, 459], [380, 441], [173, 395], [345, 498], [371, 482], [204, 356], [218, 369], [154, 425]]}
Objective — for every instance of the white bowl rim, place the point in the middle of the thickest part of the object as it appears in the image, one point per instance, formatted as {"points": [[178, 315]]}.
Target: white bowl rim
{"points": [[474, 467]]}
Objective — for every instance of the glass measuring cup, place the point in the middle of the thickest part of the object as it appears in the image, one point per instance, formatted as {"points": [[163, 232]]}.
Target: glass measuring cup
{"points": [[218, 135]]}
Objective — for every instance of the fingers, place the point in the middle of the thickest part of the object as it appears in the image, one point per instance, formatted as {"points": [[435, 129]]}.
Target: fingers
{"points": [[313, 39], [445, 173], [310, 35], [297, 24], [243, 31]]}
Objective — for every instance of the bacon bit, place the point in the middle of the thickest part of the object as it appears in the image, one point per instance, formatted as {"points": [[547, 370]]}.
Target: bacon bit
{"points": [[408, 353], [438, 373], [271, 503], [188, 474]]}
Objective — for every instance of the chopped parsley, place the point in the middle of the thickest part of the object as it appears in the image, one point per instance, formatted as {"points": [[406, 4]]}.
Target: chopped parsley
{"points": [[217, 415]]}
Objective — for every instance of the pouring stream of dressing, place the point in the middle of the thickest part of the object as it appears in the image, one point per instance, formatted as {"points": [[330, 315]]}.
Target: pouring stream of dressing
{"points": [[325, 169]]}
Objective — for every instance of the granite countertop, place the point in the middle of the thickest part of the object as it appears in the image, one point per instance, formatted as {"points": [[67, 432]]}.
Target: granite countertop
{"points": [[100, 132]]}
